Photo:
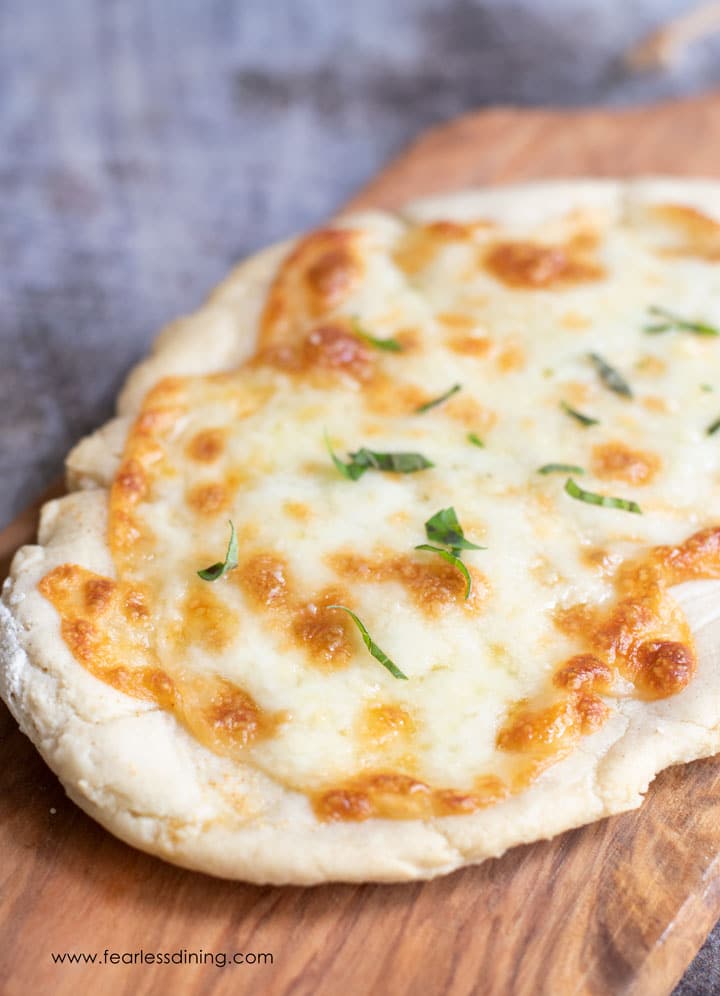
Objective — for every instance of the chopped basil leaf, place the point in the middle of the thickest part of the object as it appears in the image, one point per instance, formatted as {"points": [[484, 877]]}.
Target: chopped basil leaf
{"points": [[706, 387], [575, 491], [438, 401], [452, 558], [364, 459], [394, 463], [443, 527], [216, 571], [713, 427], [578, 416], [389, 345], [674, 323], [475, 440], [353, 471], [610, 377], [560, 468], [376, 652]]}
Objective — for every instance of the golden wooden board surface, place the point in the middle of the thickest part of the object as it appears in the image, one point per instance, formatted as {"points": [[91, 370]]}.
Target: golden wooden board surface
{"points": [[617, 907]]}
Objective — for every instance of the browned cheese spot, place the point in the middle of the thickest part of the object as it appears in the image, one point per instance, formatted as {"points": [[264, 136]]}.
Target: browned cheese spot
{"points": [[457, 320], [384, 723], [165, 393], [697, 557], [142, 459], [469, 345], [332, 347], [584, 671], [409, 338], [83, 639], [325, 634], [532, 266], [575, 321], [161, 687], [322, 355], [97, 616], [598, 559], [655, 404], [421, 244], [395, 795], [662, 667], [220, 714], [125, 532], [206, 620], [650, 366], [693, 232], [233, 713], [130, 481], [313, 280], [553, 729], [207, 445], [511, 357], [343, 804], [615, 461], [135, 606], [591, 712], [157, 421], [298, 510], [209, 499], [333, 274], [98, 594], [536, 730], [432, 583], [265, 580], [470, 413], [643, 633], [94, 626], [387, 396]]}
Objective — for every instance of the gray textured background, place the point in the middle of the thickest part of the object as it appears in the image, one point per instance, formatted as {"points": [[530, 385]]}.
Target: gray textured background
{"points": [[146, 146]]}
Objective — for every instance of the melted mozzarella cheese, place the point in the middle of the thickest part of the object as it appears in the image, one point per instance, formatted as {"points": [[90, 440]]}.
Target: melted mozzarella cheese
{"points": [[248, 446]]}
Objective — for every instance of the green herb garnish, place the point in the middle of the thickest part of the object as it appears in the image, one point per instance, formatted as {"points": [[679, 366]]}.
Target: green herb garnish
{"points": [[394, 463], [364, 459], [706, 387], [713, 427], [444, 527], [575, 491], [438, 401], [560, 468], [610, 377], [473, 438], [452, 558], [217, 570], [674, 323], [389, 345], [353, 471], [578, 416], [376, 652]]}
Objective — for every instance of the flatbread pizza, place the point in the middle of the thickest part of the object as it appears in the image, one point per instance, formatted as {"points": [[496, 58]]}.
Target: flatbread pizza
{"points": [[404, 549]]}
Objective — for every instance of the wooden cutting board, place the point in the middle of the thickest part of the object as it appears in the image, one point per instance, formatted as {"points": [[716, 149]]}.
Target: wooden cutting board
{"points": [[618, 907]]}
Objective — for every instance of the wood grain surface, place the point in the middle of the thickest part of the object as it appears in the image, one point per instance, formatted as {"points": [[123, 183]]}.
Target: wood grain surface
{"points": [[617, 907]]}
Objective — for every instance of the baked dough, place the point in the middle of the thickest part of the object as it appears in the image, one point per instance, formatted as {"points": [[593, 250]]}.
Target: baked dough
{"points": [[241, 727]]}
